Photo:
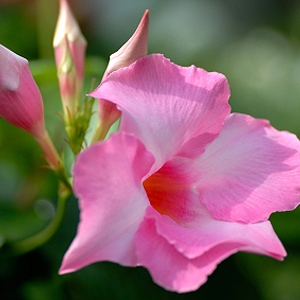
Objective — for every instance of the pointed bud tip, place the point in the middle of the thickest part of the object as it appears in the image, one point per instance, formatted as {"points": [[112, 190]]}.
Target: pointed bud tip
{"points": [[135, 48], [145, 18], [67, 24]]}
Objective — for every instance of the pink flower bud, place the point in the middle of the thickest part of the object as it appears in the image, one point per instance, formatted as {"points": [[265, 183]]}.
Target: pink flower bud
{"points": [[133, 49], [69, 47], [68, 26], [21, 102]]}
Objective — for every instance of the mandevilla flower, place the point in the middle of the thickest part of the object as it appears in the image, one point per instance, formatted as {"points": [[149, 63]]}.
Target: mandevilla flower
{"points": [[21, 103], [183, 184], [135, 48]]}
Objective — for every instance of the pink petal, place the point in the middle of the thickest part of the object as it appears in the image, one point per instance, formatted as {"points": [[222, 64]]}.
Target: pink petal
{"points": [[167, 106], [168, 267], [107, 180], [202, 235], [21, 102], [180, 259], [249, 171]]}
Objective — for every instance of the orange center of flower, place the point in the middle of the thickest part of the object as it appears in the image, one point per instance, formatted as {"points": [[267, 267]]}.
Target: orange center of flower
{"points": [[168, 195]]}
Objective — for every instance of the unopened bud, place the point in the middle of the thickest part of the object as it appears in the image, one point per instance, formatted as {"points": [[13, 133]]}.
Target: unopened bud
{"points": [[68, 26], [133, 49], [67, 29], [21, 103]]}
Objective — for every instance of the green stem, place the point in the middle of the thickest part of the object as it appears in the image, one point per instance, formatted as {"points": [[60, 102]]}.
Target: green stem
{"points": [[26, 245]]}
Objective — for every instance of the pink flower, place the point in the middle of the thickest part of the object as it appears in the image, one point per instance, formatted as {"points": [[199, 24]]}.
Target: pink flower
{"points": [[135, 48], [183, 184], [21, 103]]}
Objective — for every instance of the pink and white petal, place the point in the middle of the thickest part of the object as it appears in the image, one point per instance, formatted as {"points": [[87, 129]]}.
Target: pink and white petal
{"points": [[171, 269], [180, 259], [108, 182], [249, 171], [166, 106]]}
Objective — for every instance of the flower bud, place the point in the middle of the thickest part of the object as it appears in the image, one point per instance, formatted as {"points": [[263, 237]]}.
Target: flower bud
{"points": [[133, 49], [68, 35], [21, 102]]}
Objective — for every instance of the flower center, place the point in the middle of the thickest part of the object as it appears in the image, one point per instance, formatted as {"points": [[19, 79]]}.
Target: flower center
{"points": [[170, 195]]}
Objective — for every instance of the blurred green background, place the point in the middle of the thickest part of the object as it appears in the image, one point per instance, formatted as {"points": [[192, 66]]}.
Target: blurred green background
{"points": [[255, 43]]}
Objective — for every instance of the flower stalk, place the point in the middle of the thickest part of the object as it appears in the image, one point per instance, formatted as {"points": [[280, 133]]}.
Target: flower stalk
{"points": [[29, 244], [50, 153]]}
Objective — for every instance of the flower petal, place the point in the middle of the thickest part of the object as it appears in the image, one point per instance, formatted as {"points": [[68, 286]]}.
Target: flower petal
{"points": [[180, 259], [206, 233], [107, 180], [167, 106], [168, 267], [249, 171]]}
